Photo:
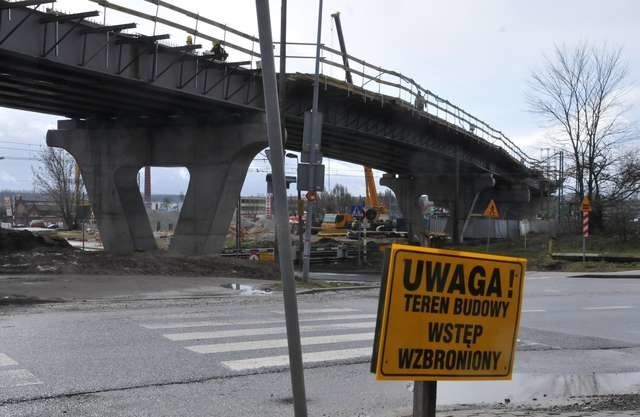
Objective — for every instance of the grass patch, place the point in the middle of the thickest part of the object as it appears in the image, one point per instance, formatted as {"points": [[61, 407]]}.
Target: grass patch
{"points": [[539, 248]]}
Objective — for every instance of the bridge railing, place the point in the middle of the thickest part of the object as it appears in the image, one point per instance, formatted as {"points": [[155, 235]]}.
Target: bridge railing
{"points": [[372, 81], [377, 83]]}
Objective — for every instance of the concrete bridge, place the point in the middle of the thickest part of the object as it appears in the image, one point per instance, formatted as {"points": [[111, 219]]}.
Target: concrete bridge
{"points": [[132, 101]]}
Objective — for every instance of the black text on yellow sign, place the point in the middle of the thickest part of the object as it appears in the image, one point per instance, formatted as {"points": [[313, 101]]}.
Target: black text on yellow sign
{"points": [[449, 315]]}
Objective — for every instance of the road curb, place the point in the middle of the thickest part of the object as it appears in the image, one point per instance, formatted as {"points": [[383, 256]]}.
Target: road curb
{"points": [[610, 276]]}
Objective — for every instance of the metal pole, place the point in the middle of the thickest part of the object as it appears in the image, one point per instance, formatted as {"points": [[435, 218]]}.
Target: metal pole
{"points": [[424, 398], [466, 220], [274, 136], [282, 81], [313, 154], [238, 225], [364, 241], [316, 81], [300, 209], [306, 253], [424, 392], [489, 233], [456, 202]]}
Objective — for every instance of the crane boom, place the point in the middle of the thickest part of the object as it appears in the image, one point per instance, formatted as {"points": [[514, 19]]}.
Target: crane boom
{"points": [[372, 193], [343, 48]]}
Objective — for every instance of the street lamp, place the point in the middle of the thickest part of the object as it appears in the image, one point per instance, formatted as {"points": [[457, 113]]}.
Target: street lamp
{"points": [[299, 209]]}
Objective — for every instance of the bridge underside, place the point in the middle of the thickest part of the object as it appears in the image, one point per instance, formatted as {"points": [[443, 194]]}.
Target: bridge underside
{"points": [[376, 131]]}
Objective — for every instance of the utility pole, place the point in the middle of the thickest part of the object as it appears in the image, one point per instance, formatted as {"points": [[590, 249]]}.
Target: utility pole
{"points": [[282, 81], [311, 168], [274, 136]]}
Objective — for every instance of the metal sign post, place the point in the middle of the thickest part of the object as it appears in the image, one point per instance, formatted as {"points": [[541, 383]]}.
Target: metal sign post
{"points": [[586, 208], [424, 398], [365, 224], [274, 136], [491, 212], [585, 234]]}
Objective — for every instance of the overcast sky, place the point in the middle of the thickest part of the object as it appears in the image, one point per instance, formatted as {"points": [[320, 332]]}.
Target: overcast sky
{"points": [[477, 54]]}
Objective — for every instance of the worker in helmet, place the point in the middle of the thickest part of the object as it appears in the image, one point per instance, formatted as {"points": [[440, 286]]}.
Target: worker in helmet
{"points": [[218, 53], [189, 40]]}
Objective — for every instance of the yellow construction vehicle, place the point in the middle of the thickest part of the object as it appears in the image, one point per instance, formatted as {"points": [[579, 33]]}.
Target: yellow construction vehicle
{"points": [[335, 224]]}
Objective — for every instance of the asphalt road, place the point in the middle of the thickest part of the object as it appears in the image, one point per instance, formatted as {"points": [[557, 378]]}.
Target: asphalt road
{"points": [[226, 355]]}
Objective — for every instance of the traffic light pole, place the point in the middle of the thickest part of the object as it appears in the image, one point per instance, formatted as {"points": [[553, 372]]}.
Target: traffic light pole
{"points": [[313, 152]]}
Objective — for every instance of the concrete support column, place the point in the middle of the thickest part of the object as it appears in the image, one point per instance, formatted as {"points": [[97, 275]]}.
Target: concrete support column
{"points": [[209, 204], [110, 157], [441, 189], [407, 194]]}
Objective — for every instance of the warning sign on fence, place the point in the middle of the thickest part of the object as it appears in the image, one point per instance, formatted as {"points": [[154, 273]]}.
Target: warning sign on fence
{"points": [[448, 315]]}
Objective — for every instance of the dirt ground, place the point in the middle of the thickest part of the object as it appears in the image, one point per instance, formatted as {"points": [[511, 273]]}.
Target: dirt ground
{"points": [[72, 261]]}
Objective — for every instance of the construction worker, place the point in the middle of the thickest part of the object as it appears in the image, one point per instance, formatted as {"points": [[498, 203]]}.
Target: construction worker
{"points": [[419, 103], [218, 52], [189, 40]]}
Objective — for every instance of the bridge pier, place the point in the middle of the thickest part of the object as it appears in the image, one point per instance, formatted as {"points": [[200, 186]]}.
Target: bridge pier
{"points": [[110, 156], [478, 188]]}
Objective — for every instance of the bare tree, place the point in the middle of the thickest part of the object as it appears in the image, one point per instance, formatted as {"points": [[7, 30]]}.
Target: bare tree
{"points": [[56, 178], [580, 92], [623, 180]]}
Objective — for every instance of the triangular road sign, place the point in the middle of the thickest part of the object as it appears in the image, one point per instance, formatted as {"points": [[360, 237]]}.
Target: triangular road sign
{"points": [[491, 210]]}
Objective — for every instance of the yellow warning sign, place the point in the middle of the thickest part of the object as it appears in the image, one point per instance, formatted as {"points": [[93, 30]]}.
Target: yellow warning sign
{"points": [[586, 204], [448, 315], [491, 210]]}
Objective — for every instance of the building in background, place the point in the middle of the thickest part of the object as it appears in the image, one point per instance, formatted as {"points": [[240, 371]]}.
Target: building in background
{"points": [[25, 212]]}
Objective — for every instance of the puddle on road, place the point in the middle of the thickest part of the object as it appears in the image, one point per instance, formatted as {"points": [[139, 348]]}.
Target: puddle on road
{"points": [[247, 289], [18, 299], [538, 389]]}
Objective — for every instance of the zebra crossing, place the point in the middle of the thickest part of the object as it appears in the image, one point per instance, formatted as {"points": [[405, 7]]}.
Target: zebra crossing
{"points": [[12, 376], [255, 343]]}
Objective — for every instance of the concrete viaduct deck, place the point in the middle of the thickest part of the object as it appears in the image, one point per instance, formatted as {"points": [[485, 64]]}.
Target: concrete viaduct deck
{"points": [[133, 101]]}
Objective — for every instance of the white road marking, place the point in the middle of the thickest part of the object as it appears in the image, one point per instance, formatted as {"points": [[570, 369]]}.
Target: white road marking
{"points": [[151, 316], [283, 360], [608, 308], [319, 310], [534, 311], [278, 343], [17, 378], [263, 331], [6, 360], [184, 325]]}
